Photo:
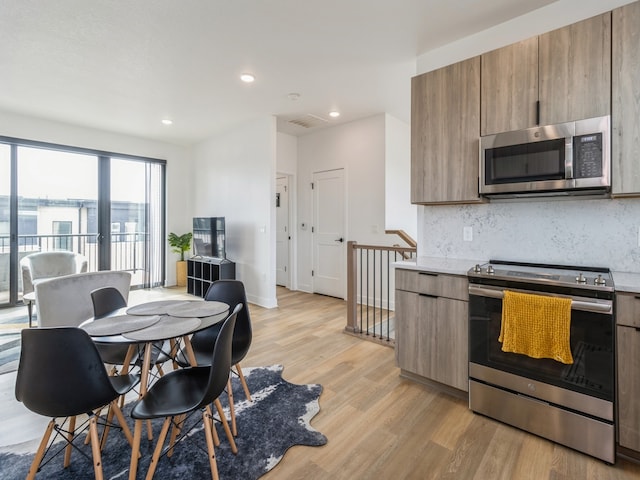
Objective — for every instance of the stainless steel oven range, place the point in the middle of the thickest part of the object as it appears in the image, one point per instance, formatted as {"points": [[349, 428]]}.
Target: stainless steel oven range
{"points": [[571, 404]]}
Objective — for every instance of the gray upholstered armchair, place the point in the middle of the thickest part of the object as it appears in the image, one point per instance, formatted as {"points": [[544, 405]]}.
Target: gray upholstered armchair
{"points": [[66, 301], [45, 265]]}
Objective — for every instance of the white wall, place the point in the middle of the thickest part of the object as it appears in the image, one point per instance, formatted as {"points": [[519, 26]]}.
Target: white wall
{"points": [[287, 164], [359, 148], [400, 214], [178, 161], [550, 17], [286, 154], [233, 176], [580, 232]]}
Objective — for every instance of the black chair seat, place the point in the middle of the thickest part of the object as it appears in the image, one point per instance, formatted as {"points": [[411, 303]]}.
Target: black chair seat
{"points": [[173, 394], [124, 383]]}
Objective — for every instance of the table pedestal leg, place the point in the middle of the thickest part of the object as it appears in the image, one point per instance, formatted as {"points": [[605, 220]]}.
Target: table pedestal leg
{"points": [[137, 433]]}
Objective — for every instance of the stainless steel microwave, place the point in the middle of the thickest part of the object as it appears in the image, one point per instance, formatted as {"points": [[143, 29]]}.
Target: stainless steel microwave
{"points": [[564, 159]]}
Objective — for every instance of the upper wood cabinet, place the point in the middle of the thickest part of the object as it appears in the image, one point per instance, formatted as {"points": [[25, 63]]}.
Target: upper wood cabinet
{"points": [[509, 87], [567, 70], [575, 71], [445, 106], [625, 109]]}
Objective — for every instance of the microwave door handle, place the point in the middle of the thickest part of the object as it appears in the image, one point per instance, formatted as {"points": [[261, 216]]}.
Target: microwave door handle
{"points": [[568, 158]]}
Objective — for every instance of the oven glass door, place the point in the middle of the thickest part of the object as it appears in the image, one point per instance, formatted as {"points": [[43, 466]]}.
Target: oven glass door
{"points": [[592, 371], [528, 162]]}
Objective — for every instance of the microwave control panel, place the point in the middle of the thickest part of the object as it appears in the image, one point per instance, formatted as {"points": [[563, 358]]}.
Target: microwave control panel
{"points": [[587, 154]]}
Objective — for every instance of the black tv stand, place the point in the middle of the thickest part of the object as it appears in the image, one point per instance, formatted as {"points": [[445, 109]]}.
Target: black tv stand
{"points": [[203, 271]]}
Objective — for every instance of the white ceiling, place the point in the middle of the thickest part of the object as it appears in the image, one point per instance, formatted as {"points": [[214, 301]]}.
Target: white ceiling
{"points": [[123, 65]]}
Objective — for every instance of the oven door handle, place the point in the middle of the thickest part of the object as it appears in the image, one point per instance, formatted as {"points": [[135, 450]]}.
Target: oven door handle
{"points": [[597, 306]]}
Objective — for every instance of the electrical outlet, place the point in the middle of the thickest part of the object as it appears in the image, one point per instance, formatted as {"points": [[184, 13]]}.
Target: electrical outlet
{"points": [[467, 234]]}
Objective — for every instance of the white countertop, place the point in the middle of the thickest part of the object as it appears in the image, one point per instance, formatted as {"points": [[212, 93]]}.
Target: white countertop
{"points": [[626, 282], [452, 266]]}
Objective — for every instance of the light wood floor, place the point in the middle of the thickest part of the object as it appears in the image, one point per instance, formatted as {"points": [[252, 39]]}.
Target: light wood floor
{"points": [[378, 425]]}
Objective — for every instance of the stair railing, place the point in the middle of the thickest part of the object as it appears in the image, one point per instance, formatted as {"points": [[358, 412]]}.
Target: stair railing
{"points": [[371, 289]]}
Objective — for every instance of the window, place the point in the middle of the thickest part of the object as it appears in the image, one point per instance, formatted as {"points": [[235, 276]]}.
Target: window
{"points": [[62, 235], [107, 207]]}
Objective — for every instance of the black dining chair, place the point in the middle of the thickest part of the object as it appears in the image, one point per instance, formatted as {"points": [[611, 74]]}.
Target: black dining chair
{"points": [[231, 292], [106, 301], [61, 375], [180, 393]]}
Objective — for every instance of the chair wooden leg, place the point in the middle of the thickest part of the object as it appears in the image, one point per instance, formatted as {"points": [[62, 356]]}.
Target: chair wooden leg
{"points": [[95, 448], [178, 422], [232, 409], [68, 449], [247, 393], [135, 451], [175, 431], [87, 437], [158, 449], [212, 426], [149, 431], [122, 422], [107, 427], [174, 351], [225, 425], [41, 449], [210, 448]]}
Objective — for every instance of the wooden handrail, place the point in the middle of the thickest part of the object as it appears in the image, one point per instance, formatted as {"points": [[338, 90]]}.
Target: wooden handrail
{"points": [[404, 236]]}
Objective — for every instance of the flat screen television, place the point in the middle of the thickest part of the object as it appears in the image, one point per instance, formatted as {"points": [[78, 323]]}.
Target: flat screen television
{"points": [[209, 237]]}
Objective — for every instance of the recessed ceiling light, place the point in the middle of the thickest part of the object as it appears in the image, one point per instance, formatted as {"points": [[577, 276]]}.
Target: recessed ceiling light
{"points": [[167, 121], [247, 78], [334, 114]]}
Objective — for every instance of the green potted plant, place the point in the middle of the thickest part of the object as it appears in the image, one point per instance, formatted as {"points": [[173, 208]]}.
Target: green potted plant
{"points": [[180, 244]]}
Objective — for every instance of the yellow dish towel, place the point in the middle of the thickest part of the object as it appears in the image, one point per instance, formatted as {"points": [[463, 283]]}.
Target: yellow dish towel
{"points": [[537, 326]]}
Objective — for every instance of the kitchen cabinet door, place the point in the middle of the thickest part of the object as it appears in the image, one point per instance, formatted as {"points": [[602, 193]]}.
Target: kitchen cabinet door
{"points": [[625, 110], [509, 88], [445, 109], [450, 345], [628, 345], [415, 330], [575, 71]]}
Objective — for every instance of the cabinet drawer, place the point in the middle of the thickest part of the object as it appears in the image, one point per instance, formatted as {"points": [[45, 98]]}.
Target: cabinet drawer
{"points": [[628, 309], [434, 284]]}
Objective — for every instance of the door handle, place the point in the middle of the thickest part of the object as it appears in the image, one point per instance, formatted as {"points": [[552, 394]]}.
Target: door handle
{"points": [[339, 240]]}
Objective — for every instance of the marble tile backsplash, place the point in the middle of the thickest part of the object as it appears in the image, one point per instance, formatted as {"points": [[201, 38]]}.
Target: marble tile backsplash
{"points": [[577, 232]]}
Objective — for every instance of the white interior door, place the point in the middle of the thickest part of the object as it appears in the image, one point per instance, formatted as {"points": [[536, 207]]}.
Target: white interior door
{"points": [[283, 236], [329, 233]]}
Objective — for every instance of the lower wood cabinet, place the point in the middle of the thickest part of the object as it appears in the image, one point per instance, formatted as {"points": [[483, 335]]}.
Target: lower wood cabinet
{"points": [[432, 326], [628, 387], [628, 351]]}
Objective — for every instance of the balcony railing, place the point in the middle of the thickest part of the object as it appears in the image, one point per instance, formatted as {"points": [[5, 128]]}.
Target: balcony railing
{"points": [[371, 290], [127, 251]]}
